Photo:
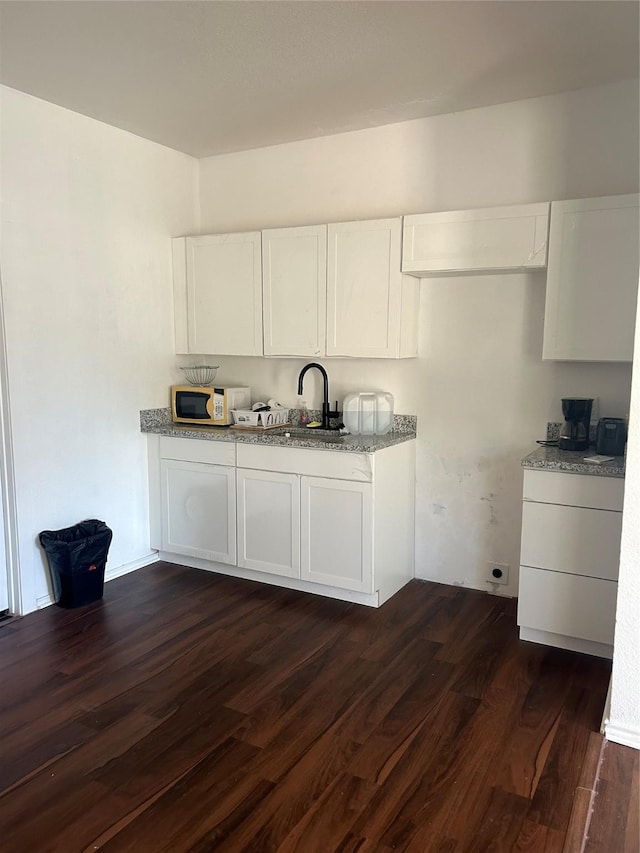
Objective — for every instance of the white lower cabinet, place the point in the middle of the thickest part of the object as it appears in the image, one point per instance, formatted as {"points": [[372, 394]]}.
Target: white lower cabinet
{"points": [[337, 533], [198, 508], [269, 522], [353, 514], [339, 524], [569, 558]]}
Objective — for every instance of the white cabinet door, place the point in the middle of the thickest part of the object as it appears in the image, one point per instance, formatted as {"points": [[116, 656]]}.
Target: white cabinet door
{"points": [[222, 285], [592, 279], [337, 533], [269, 522], [294, 290], [497, 238], [371, 307], [198, 510]]}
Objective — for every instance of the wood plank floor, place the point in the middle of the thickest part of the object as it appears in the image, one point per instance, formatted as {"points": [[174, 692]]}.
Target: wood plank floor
{"points": [[615, 821], [192, 712]]}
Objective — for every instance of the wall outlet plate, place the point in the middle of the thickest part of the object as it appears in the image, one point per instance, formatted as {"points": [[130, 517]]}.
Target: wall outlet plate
{"points": [[498, 573]]}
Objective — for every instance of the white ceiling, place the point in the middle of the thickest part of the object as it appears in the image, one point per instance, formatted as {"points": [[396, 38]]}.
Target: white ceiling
{"points": [[210, 77]]}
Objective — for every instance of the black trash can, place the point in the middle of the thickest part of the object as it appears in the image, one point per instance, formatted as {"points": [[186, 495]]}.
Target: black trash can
{"points": [[77, 558]]}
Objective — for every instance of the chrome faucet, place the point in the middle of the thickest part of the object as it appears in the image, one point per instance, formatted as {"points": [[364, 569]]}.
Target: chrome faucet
{"points": [[326, 410]]}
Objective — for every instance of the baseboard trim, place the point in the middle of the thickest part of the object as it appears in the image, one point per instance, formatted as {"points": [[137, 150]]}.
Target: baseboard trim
{"points": [[607, 709], [572, 644], [126, 568], [110, 574], [491, 588], [622, 735], [43, 601]]}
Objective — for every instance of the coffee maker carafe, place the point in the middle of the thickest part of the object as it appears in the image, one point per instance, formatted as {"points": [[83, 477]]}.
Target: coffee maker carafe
{"points": [[574, 432]]}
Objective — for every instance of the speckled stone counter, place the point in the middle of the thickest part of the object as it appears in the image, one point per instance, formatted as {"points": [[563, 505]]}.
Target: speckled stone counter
{"points": [[158, 421], [572, 461]]}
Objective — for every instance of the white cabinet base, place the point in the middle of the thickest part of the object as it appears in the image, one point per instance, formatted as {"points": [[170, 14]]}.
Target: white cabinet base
{"points": [[561, 641], [359, 506], [570, 550], [374, 599]]}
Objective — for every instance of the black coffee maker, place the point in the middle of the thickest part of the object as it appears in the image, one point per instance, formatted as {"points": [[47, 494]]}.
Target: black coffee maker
{"points": [[574, 432]]}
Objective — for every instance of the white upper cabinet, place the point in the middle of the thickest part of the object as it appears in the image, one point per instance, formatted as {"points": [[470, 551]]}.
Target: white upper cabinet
{"points": [[372, 309], [592, 280], [294, 286], [496, 238], [218, 279]]}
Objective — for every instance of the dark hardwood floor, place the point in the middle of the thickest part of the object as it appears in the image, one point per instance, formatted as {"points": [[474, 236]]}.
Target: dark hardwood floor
{"points": [[614, 823], [192, 712]]}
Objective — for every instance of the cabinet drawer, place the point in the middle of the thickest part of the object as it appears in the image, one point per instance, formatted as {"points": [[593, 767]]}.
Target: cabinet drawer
{"points": [[567, 604], [558, 487], [313, 463], [571, 539], [192, 450]]}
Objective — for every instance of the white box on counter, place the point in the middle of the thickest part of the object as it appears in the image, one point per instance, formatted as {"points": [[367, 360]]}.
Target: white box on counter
{"points": [[368, 412]]}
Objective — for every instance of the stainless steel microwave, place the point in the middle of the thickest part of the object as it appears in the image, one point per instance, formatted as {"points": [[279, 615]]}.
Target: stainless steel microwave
{"points": [[192, 404]]}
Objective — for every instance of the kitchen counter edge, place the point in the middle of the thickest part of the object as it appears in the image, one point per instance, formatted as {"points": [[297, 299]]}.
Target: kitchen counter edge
{"points": [[573, 462], [404, 430]]}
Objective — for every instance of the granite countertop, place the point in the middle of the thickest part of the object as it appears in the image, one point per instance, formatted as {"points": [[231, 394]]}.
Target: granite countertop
{"points": [[158, 422], [572, 461]]}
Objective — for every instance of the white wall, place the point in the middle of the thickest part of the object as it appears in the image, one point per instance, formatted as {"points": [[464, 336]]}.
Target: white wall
{"points": [[87, 213], [479, 387], [623, 725]]}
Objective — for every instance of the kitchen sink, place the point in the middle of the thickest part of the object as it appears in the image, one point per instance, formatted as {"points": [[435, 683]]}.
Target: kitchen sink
{"points": [[321, 436]]}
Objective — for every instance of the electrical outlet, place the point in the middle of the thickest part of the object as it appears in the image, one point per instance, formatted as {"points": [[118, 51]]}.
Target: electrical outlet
{"points": [[498, 573]]}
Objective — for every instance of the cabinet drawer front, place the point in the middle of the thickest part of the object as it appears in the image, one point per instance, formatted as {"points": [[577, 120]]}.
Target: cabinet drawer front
{"points": [[558, 487], [494, 238], [571, 539], [192, 450], [318, 463], [567, 604]]}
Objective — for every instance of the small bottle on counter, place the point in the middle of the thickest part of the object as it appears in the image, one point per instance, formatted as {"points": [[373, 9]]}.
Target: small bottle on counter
{"points": [[304, 413]]}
